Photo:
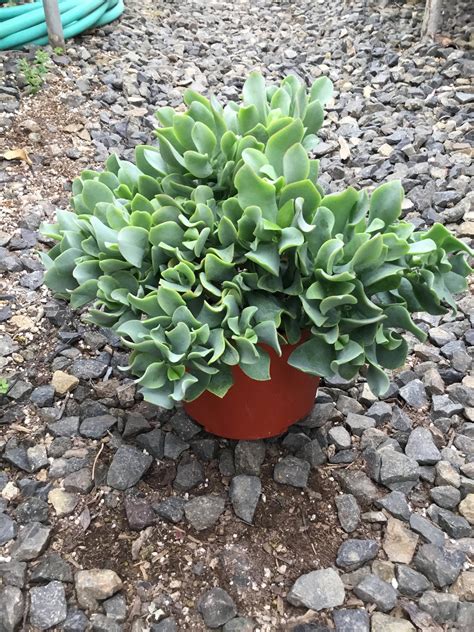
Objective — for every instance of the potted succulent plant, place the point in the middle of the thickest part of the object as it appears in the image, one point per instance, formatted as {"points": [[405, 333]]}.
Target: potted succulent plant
{"points": [[233, 279]]}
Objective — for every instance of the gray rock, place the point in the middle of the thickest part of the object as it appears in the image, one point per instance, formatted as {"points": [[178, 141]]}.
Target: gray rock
{"points": [[79, 481], [430, 532], [204, 449], [443, 406], [439, 565], [204, 511], [8, 529], [421, 447], [43, 395], [400, 420], [411, 583], [31, 510], [321, 414], [294, 441], [216, 607], [116, 608], [170, 509], [353, 554], [351, 620], [292, 471], [153, 442], [443, 607], [339, 436], [358, 484], [101, 623], [446, 496], [97, 427], [348, 512], [76, 621], [183, 426], [248, 457], [381, 412], [455, 526], [174, 446], [465, 620], [66, 427], [47, 605], [31, 542], [395, 503], [52, 567], [226, 462], [414, 394], [13, 573], [244, 495], [397, 471], [447, 474], [359, 423], [95, 585], [85, 369], [372, 589], [239, 624], [317, 590], [189, 475], [165, 625], [312, 453], [12, 606], [128, 466], [135, 423]]}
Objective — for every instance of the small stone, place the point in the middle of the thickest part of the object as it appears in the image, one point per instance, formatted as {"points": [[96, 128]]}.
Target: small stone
{"points": [[339, 436], [445, 496], [395, 503], [421, 447], [96, 585], [52, 567], [427, 529], [465, 620], [12, 606], [97, 427], [139, 513], [397, 471], [168, 625], [63, 502], [116, 608], [239, 624], [153, 442], [43, 396], [443, 406], [353, 554], [358, 484], [188, 475], [248, 457], [455, 526], [183, 426], [128, 466], [76, 621], [204, 511], [32, 510], [399, 543], [86, 369], [439, 565], [410, 582], [174, 446], [8, 529], [204, 449], [348, 512], [372, 589], [292, 471], [433, 382], [351, 620], [170, 509], [383, 623], [381, 412], [66, 427], [400, 420], [466, 508], [216, 607], [31, 542], [446, 474], [13, 574], [63, 382], [414, 394], [244, 495], [443, 607], [318, 590], [359, 423], [312, 453], [79, 481], [47, 605], [101, 623]]}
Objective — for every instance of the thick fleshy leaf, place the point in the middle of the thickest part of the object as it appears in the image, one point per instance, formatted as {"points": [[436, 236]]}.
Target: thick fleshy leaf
{"points": [[133, 244], [314, 357], [255, 191], [295, 163], [260, 369], [267, 257], [322, 90], [386, 202]]}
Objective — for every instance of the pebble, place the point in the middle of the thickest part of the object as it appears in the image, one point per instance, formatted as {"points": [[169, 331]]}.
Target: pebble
{"points": [[8, 529], [11, 607], [439, 565], [139, 513], [52, 566], [244, 495], [348, 512], [411, 583], [292, 471], [352, 554], [396, 504], [399, 542], [248, 457], [446, 496], [63, 502], [63, 383], [351, 620], [318, 590], [203, 512], [31, 542], [372, 589], [466, 508], [383, 623], [189, 475], [216, 607], [414, 394], [421, 447], [170, 509], [128, 466], [443, 607], [97, 427], [47, 605], [96, 585]]}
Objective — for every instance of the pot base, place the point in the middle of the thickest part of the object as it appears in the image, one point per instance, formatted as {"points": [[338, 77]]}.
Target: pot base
{"points": [[254, 409]]}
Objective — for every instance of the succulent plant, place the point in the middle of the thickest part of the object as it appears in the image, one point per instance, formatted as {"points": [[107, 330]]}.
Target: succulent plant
{"points": [[220, 240]]}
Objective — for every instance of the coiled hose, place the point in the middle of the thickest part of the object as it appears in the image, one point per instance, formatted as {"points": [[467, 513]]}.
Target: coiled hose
{"points": [[25, 24]]}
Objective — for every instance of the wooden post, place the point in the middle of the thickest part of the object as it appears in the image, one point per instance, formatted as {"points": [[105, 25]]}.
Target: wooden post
{"points": [[431, 18], [53, 22]]}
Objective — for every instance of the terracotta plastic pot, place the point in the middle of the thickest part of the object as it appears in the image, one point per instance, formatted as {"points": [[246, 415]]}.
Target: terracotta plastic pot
{"points": [[257, 410]]}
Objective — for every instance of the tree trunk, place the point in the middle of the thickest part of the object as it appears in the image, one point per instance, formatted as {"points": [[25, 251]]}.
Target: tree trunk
{"points": [[431, 18], [53, 22]]}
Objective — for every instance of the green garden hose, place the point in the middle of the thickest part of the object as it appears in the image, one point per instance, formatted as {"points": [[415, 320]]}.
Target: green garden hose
{"points": [[25, 24]]}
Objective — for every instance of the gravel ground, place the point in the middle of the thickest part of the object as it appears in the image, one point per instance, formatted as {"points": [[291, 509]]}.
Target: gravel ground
{"points": [[115, 515]]}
